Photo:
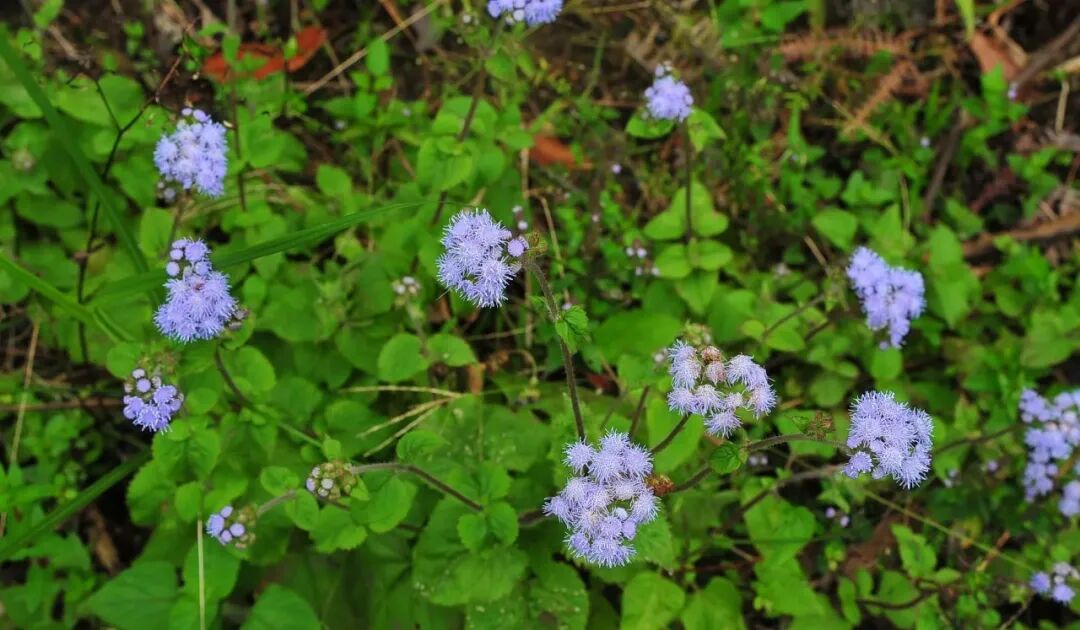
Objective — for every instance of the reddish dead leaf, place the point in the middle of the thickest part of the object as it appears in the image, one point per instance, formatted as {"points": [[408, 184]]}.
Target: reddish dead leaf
{"points": [[547, 150], [308, 42], [601, 382], [992, 52]]}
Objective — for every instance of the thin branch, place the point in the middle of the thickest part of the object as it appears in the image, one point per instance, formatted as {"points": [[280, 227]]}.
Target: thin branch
{"points": [[638, 412], [769, 442], [568, 362], [409, 468], [671, 436], [697, 478]]}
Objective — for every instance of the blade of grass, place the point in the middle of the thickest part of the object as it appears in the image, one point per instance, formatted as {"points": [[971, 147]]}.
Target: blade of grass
{"points": [[16, 541], [58, 297], [139, 282], [66, 138]]}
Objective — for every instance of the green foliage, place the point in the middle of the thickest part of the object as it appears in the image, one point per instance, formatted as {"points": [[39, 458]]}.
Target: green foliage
{"points": [[455, 417]]}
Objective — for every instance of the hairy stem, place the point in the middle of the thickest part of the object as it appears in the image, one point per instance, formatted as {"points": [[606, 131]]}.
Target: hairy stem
{"points": [[272, 503], [362, 468], [769, 442], [818, 299], [697, 478], [671, 436], [688, 148], [220, 362], [638, 411], [477, 90], [568, 362]]}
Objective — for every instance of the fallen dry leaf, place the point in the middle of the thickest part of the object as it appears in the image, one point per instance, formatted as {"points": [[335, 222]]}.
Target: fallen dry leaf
{"points": [[992, 52], [308, 42], [547, 150]]}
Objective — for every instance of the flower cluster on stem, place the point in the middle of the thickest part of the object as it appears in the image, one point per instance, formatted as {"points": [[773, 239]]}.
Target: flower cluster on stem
{"points": [[607, 501]]}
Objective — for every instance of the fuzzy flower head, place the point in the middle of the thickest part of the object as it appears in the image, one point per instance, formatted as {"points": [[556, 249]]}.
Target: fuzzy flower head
{"points": [[149, 403], [232, 527], [532, 12], [199, 304], [1055, 584], [891, 297], [889, 438], [478, 262], [194, 155], [704, 384], [331, 480], [607, 501], [1052, 438], [668, 98]]}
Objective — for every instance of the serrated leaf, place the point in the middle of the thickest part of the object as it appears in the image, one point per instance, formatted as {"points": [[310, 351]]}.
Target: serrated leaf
{"points": [[472, 529]]}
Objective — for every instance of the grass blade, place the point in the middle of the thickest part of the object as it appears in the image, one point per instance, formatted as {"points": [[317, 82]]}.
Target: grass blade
{"points": [[58, 297], [141, 282], [66, 138], [13, 543]]}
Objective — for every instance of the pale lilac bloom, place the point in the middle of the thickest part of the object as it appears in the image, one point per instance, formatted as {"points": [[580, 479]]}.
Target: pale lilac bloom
{"points": [[1051, 439], [891, 297], [194, 155], [606, 503], [149, 403], [697, 375], [199, 304], [475, 263], [668, 98], [889, 438]]}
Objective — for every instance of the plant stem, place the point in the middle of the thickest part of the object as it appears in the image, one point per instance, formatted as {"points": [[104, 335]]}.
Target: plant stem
{"points": [[636, 420], [688, 148], [477, 89], [360, 469], [269, 505], [671, 436], [692, 481], [568, 362], [225, 375], [769, 442], [818, 299]]}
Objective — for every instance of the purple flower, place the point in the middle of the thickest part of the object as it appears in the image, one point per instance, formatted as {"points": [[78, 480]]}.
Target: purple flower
{"points": [[696, 375], [532, 12], [148, 403], [889, 438], [668, 98], [604, 508], [891, 297], [230, 526], [1055, 585], [1051, 439], [199, 304], [475, 264], [194, 155]]}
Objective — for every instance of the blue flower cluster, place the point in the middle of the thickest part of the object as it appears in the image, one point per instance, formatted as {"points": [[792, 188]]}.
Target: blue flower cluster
{"points": [[695, 376], [1055, 586], [1052, 438], [194, 155], [889, 438], [668, 98], [532, 12], [230, 526], [891, 297], [148, 403], [199, 304], [475, 263], [608, 499]]}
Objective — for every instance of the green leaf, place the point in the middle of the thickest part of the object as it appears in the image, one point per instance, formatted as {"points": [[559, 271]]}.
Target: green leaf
{"points": [[917, 556], [335, 529], [137, 598], [779, 529], [66, 137], [418, 444], [400, 359], [557, 597], [836, 225], [703, 129], [650, 601], [278, 479], [220, 570], [278, 608], [389, 505], [643, 126], [966, 9], [333, 181], [502, 521], [378, 57], [671, 223], [15, 541], [697, 290], [451, 350], [252, 371], [673, 262], [727, 458], [472, 529], [718, 606]]}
